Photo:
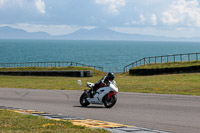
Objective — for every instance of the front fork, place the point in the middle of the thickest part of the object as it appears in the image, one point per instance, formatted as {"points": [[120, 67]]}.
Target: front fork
{"points": [[89, 93]]}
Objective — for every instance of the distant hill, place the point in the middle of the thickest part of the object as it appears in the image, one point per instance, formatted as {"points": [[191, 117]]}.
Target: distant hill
{"points": [[106, 34], [12, 33], [84, 34]]}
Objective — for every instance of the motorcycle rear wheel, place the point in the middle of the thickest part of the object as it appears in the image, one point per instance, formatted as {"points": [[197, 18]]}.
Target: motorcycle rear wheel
{"points": [[83, 100], [108, 103]]}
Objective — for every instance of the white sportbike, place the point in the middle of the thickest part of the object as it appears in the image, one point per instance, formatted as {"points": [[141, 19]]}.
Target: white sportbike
{"points": [[105, 95]]}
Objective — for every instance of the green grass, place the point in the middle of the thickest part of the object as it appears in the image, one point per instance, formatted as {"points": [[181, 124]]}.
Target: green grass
{"points": [[11, 122], [168, 65], [94, 72], [44, 82], [186, 84]]}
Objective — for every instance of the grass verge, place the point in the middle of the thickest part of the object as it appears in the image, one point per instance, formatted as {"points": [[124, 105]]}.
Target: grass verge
{"points": [[185, 84], [168, 65], [11, 122], [94, 71]]}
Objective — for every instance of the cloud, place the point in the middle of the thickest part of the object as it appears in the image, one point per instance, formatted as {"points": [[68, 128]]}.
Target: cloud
{"points": [[142, 18], [66, 16], [40, 5], [139, 21], [2, 2], [113, 5], [12, 3], [26, 6], [51, 29], [154, 19], [182, 12]]}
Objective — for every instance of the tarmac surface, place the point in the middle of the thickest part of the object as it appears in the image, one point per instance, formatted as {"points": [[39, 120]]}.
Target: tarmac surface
{"points": [[153, 112]]}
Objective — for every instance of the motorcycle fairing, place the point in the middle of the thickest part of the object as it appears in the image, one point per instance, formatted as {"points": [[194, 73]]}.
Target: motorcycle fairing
{"points": [[98, 97]]}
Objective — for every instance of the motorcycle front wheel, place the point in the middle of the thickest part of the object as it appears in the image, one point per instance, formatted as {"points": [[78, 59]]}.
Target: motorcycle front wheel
{"points": [[108, 103], [83, 100]]}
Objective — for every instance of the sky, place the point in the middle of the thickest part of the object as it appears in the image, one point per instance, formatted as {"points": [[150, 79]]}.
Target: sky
{"points": [[172, 18]]}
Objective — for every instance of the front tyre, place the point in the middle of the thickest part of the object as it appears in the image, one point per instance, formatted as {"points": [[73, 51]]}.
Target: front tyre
{"points": [[108, 103], [83, 100]]}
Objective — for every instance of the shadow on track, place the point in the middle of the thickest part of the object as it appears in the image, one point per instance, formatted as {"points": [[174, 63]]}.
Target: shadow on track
{"points": [[95, 107]]}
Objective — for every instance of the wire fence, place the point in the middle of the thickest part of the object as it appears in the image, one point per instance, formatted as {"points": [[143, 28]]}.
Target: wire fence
{"points": [[164, 59], [48, 64], [144, 61], [113, 69]]}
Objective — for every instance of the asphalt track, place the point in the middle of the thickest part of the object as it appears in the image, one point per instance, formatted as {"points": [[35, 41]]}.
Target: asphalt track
{"points": [[171, 113]]}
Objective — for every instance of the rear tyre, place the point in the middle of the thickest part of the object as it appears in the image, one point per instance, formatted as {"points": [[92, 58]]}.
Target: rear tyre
{"points": [[108, 103], [83, 100]]}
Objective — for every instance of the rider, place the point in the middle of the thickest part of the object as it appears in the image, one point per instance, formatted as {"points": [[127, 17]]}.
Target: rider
{"points": [[105, 81]]}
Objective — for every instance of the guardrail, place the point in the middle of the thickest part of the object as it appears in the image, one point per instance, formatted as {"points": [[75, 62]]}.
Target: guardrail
{"points": [[49, 64], [164, 59]]}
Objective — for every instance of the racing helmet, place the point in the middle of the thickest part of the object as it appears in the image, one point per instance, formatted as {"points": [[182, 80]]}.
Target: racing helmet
{"points": [[110, 76]]}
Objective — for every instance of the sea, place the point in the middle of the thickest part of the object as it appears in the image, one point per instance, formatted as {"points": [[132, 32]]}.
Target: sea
{"points": [[111, 55]]}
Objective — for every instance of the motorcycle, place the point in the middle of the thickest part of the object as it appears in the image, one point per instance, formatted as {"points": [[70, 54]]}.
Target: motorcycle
{"points": [[105, 95]]}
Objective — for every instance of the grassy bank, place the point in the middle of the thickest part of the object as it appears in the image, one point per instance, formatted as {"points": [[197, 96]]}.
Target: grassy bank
{"points": [[168, 65], [186, 84], [11, 122], [94, 71]]}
